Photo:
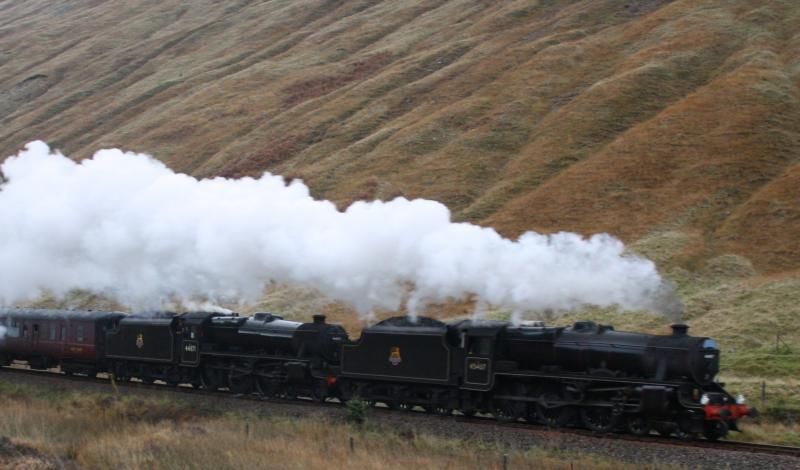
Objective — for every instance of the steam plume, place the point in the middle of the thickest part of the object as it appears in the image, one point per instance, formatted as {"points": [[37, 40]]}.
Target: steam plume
{"points": [[125, 225]]}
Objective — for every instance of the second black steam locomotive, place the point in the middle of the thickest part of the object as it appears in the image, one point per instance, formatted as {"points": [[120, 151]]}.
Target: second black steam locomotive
{"points": [[586, 374]]}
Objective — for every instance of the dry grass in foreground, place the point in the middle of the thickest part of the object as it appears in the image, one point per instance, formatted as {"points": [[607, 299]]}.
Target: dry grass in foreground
{"points": [[100, 431], [771, 432]]}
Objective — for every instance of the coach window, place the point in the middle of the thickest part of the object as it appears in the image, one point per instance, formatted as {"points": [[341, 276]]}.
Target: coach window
{"points": [[63, 335], [52, 332], [79, 334], [24, 330]]}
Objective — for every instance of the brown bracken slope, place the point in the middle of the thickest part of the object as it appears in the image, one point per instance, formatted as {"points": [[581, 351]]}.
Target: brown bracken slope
{"points": [[636, 117]]}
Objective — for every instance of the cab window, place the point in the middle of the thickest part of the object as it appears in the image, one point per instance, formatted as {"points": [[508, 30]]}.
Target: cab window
{"points": [[480, 346]]}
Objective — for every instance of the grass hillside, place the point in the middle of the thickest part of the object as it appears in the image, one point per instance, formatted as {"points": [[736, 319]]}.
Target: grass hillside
{"points": [[674, 125]]}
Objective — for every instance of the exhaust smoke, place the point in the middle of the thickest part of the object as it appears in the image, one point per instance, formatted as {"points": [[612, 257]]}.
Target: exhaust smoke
{"points": [[126, 226]]}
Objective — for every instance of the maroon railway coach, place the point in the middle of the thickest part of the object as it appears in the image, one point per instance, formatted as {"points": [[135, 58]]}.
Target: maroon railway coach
{"points": [[73, 340]]}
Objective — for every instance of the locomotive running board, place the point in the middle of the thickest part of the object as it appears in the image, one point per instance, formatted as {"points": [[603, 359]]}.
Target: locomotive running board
{"points": [[588, 378], [251, 356]]}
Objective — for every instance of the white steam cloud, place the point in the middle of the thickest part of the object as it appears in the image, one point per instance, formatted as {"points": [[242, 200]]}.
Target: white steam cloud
{"points": [[125, 225]]}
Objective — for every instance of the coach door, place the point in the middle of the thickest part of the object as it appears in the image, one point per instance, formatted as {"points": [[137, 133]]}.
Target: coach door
{"points": [[35, 337], [478, 365], [27, 336]]}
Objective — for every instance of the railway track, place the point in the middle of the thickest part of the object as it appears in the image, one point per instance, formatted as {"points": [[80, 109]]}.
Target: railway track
{"points": [[726, 445], [734, 446]]}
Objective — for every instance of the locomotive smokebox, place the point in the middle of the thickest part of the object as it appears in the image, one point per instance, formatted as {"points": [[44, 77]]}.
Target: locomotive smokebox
{"points": [[680, 329], [319, 319]]}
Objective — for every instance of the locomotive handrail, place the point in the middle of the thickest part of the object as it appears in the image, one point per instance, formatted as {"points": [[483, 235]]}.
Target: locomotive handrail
{"points": [[586, 377]]}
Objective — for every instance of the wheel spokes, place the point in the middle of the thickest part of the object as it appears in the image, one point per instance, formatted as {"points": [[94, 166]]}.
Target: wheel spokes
{"points": [[638, 425], [599, 419]]}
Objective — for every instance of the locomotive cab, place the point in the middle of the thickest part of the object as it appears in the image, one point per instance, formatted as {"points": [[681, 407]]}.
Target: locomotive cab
{"points": [[478, 340], [320, 339], [194, 331]]}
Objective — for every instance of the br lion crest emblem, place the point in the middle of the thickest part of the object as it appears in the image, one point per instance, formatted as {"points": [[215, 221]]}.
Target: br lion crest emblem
{"points": [[394, 355], [140, 341]]}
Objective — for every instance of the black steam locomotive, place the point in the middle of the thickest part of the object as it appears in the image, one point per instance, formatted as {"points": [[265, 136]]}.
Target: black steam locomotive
{"points": [[583, 375]]}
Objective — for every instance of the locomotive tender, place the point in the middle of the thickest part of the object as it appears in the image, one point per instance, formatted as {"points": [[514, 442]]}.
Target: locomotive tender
{"points": [[587, 374]]}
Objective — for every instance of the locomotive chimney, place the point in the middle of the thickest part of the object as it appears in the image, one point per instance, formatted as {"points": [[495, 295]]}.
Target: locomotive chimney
{"points": [[319, 319], [680, 329]]}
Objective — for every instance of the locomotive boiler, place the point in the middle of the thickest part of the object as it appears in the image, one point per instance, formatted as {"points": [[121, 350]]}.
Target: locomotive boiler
{"points": [[270, 334], [587, 347]]}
